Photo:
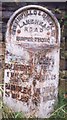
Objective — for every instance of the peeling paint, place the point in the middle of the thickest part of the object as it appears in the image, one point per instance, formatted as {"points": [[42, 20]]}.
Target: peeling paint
{"points": [[32, 62]]}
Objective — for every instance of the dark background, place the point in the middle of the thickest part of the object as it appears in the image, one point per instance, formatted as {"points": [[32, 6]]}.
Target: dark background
{"points": [[59, 9]]}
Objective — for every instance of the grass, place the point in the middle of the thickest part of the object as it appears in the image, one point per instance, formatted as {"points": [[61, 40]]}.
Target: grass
{"points": [[60, 110], [61, 107]]}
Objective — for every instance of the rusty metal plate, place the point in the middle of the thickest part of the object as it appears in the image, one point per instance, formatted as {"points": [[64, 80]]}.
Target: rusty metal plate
{"points": [[32, 61]]}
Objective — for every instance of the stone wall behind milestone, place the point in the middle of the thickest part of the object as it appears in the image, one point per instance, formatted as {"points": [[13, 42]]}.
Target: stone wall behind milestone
{"points": [[7, 9]]}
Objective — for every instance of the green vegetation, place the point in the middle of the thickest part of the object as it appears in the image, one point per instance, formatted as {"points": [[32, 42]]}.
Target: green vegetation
{"points": [[61, 107], [59, 112]]}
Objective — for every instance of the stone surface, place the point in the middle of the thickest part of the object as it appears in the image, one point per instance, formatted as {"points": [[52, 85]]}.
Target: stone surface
{"points": [[32, 61]]}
